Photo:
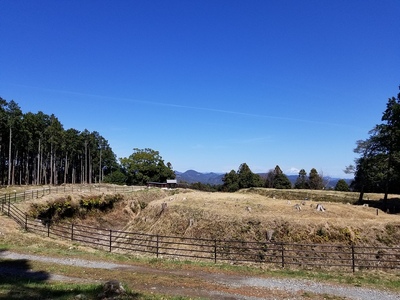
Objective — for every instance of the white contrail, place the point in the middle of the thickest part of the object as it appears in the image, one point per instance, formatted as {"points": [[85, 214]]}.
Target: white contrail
{"points": [[185, 106]]}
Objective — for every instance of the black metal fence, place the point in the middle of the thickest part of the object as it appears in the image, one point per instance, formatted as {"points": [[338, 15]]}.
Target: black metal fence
{"points": [[41, 192], [351, 257]]}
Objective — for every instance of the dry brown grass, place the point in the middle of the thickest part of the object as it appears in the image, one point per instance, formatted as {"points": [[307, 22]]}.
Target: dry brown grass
{"points": [[248, 215], [222, 216]]}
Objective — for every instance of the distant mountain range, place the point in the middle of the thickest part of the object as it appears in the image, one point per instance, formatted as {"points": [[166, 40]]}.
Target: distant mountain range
{"points": [[192, 176]]}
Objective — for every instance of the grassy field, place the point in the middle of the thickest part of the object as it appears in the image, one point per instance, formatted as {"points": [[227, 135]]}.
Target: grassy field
{"points": [[246, 215]]}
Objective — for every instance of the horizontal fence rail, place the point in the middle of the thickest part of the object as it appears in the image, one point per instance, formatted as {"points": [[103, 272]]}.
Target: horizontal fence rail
{"points": [[39, 193], [349, 257]]}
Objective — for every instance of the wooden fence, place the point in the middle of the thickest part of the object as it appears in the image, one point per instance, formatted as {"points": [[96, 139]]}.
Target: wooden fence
{"points": [[351, 257]]}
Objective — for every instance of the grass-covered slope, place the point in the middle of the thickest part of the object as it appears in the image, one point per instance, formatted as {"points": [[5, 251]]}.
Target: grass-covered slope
{"points": [[289, 215]]}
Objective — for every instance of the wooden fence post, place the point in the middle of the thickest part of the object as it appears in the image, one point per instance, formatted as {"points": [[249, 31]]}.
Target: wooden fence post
{"points": [[9, 205], [283, 254], [24, 195], [353, 258], [48, 228]]}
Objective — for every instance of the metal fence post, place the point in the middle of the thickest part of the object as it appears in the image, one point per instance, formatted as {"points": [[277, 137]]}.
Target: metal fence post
{"points": [[157, 245], [9, 205], [353, 258], [283, 254], [215, 251], [72, 232], [110, 239], [26, 222], [48, 229]]}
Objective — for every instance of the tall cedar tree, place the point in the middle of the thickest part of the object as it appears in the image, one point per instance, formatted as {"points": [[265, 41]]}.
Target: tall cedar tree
{"points": [[280, 180], [315, 181], [302, 180], [378, 167]]}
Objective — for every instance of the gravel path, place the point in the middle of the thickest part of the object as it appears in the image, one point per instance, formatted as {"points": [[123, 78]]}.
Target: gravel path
{"points": [[293, 287]]}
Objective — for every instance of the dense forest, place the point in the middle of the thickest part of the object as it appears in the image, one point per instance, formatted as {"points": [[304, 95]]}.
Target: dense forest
{"points": [[36, 149]]}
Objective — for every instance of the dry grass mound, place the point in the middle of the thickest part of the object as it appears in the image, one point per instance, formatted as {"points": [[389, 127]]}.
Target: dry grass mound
{"points": [[249, 215]]}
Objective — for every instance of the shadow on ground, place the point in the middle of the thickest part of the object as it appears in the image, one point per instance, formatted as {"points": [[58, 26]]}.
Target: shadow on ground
{"points": [[19, 281], [391, 206]]}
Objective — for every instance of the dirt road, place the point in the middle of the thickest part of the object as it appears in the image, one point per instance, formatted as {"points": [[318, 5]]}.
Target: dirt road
{"points": [[212, 285]]}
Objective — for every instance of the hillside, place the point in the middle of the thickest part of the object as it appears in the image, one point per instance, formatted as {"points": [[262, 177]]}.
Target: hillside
{"points": [[249, 214], [192, 176]]}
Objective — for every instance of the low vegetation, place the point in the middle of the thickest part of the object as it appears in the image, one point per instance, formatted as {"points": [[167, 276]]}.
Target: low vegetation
{"points": [[70, 207], [245, 215], [288, 215]]}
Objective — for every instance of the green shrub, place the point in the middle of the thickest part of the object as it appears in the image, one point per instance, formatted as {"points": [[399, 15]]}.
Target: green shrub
{"points": [[63, 208]]}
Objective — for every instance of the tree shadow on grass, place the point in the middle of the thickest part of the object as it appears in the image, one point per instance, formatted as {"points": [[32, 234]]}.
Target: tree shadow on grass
{"points": [[391, 206], [19, 281]]}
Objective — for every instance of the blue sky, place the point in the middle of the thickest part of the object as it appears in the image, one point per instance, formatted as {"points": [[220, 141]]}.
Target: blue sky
{"points": [[209, 84]]}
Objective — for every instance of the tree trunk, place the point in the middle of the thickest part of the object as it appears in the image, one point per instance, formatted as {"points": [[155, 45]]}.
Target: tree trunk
{"points": [[65, 168], [73, 180], [41, 167], [82, 177], [9, 158], [1, 165], [388, 175], [27, 173], [38, 165], [51, 163], [100, 168], [90, 168], [86, 163], [361, 197], [13, 168], [55, 173]]}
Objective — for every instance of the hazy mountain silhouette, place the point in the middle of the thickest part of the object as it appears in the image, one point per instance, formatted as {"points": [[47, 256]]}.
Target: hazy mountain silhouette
{"points": [[192, 176]]}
